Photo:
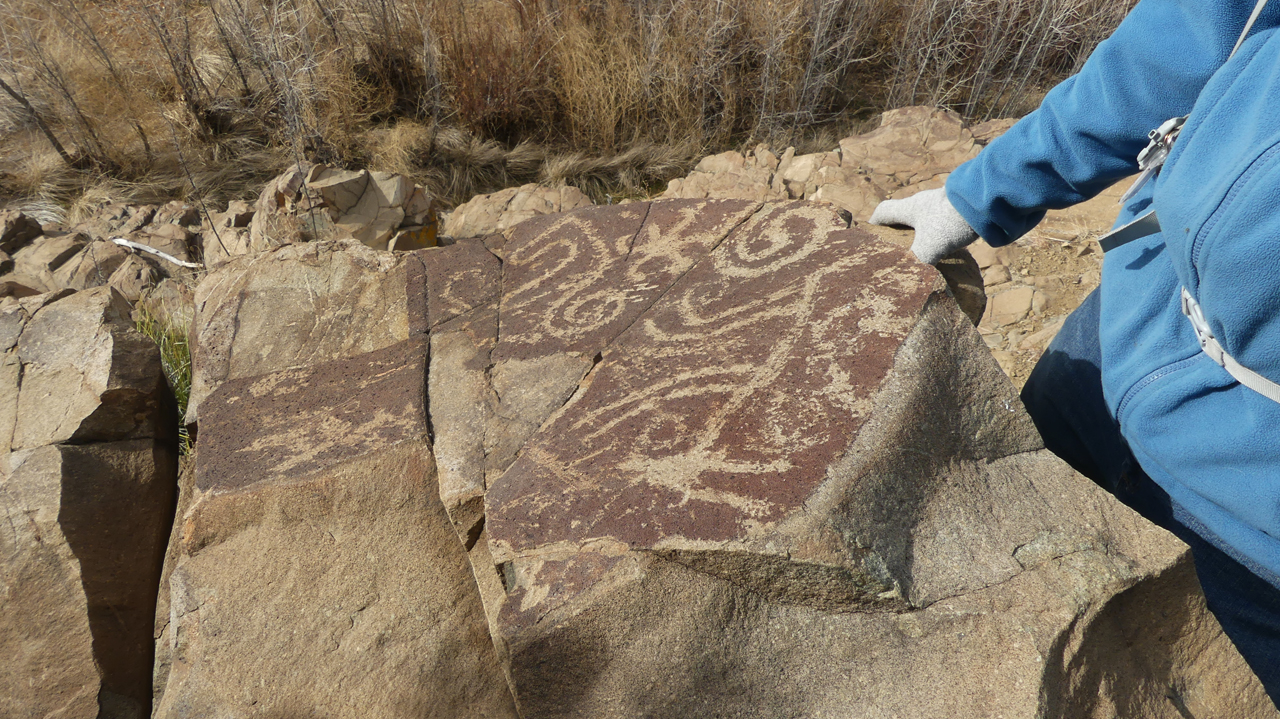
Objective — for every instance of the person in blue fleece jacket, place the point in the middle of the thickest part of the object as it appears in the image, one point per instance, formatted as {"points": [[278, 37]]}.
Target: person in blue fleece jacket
{"points": [[1125, 393]]}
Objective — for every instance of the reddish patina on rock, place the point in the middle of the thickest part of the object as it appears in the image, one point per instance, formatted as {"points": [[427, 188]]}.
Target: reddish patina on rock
{"points": [[721, 408], [294, 422], [539, 588], [573, 282], [459, 278]]}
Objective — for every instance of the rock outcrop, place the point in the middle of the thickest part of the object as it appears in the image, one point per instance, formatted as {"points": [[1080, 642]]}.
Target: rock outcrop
{"points": [[48, 259], [684, 457], [317, 570], [738, 459], [913, 149], [673, 458], [88, 458], [486, 214], [309, 202]]}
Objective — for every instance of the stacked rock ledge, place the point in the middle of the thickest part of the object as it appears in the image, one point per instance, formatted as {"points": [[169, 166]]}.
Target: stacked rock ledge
{"points": [[88, 461], [684, 457], [673, 458], [315, 499]]}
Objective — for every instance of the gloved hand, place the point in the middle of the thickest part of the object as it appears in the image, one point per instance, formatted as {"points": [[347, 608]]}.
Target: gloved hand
{"points": [[940, 230]]}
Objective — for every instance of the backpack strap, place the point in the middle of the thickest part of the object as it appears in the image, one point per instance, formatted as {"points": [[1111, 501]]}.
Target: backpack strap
{"points": [[1210, 346], [1257, 10]]}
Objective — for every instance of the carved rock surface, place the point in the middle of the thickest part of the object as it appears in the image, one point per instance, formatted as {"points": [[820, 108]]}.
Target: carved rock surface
{"points": [[88, 465], [673, 458], [302, 304], [740, 460], [317, 571]]}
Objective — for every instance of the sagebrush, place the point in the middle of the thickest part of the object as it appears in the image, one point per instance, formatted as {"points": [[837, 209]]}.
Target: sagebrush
{"points": [[209, 97]]}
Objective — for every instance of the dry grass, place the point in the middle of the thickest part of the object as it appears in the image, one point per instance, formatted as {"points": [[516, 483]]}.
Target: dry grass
{"points": [[148, 100], [175, 360]]}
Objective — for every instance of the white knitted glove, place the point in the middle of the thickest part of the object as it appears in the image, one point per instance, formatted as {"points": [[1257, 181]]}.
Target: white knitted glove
{"points": [[940, 230]]}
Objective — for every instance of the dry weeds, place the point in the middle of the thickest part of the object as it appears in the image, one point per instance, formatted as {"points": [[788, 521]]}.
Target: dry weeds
{"points": [[145, 100]]}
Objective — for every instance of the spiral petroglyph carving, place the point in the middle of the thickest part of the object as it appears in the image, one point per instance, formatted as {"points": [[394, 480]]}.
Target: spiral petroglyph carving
{"points": [[573, 282], [720, 406]]}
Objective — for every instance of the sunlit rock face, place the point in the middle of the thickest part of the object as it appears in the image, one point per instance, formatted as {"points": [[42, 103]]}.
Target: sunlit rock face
{"points": [[674, 458]]}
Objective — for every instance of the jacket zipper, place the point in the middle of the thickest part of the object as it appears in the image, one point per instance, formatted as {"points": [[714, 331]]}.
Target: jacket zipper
{"points": [[1150, 379], [1237, 187]]}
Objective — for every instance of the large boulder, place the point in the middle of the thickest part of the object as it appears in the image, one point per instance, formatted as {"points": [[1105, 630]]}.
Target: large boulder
{"points": [[725, 458], [317, 571], [484, 215], [87, 468]]}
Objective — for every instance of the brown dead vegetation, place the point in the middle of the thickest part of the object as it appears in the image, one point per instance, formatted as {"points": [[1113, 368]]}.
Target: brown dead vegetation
{"points": [[144, 100]]}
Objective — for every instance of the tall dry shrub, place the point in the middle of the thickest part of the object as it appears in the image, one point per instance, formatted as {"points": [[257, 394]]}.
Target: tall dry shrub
{"points": [[208, 97], [987, 58]]}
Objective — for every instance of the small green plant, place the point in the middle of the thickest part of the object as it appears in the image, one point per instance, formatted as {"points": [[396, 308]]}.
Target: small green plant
{"points": [[175, 358]]}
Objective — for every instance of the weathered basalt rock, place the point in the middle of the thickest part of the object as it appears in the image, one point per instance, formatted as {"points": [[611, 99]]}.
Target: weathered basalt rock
{"points": [[301, 305], [308, 202], [87, 470], [741, 460], [672, 458], [85, 256], [913, 148], [484, 215], [88, 376], [315, 498]]}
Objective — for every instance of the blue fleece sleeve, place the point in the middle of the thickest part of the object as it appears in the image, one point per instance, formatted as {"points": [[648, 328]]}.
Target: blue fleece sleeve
{"points": [[1091, 127]]}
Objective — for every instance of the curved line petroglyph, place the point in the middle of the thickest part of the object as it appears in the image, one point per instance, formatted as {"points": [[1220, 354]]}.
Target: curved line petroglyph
{"points": [[734, 390]]}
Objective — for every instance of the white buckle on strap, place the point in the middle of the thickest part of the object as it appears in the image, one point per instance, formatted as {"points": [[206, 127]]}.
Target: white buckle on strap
{"points": [[1204, 334], [1210, 345], [1152, 157]]}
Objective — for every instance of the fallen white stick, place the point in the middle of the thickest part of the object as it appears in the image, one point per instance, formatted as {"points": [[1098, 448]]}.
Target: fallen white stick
{"points": [[162, 255]]}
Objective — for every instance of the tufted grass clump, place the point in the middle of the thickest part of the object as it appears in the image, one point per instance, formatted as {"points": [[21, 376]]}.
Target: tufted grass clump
{"points": [[175, 358]]}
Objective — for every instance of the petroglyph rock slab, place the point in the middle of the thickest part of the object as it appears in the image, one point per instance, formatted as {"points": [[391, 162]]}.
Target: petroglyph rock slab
{"points": [[309, 418], [721, 408], [326, 510], [746, 427], [302, 304], [315, 498]]}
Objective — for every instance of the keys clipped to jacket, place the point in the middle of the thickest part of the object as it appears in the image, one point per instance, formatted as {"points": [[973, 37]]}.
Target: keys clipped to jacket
{"points": [[1156, 152]]}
